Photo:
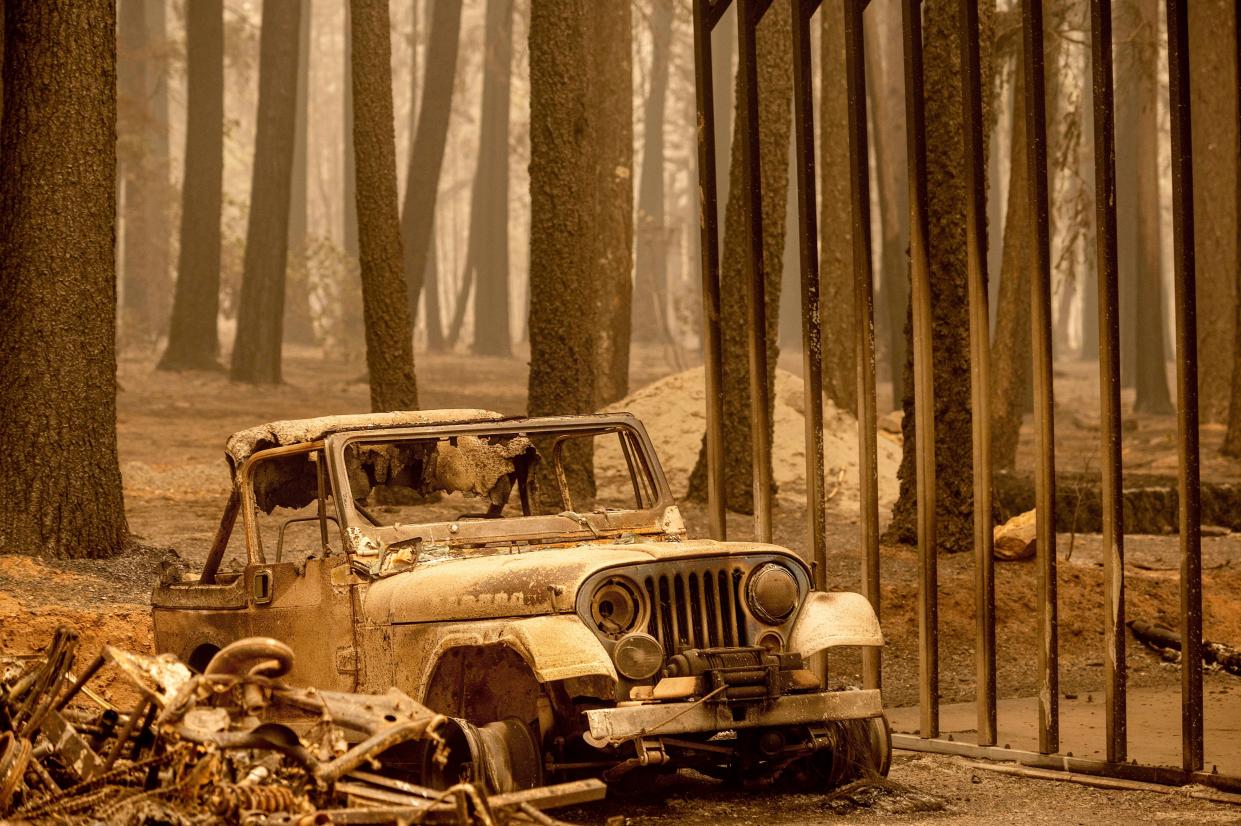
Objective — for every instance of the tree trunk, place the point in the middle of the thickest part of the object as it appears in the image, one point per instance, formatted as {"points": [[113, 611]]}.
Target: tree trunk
{"points": [[775, 91], [563, 312], [1232, 438], [954, 494], [836, 217], [299, 328], [349, 199], [1089, 350], [650, 306], [1011, 353], [1213, 100], [193, 340], [389, 340], [260, 314], [489, 207], [723, 82], [1137, 199], [610, 116], [996, 200], [143, 151], [431, 286], [60, 483], [886, 90], [1151, 367], [427, 148]]}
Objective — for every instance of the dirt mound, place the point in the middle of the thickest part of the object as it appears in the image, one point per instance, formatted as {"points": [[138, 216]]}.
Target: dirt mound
{"points": [[673, 410]]}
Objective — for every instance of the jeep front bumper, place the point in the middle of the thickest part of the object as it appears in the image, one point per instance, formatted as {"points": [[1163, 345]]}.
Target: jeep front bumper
{"points": [[615, 725]]}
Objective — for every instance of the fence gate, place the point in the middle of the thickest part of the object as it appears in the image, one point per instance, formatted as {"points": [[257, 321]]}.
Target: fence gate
{"points": [[706, 15]]}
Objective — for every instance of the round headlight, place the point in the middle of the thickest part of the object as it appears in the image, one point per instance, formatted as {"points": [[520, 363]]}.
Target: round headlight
{"points": [[616, 606], [638, 657], [772, 593]]}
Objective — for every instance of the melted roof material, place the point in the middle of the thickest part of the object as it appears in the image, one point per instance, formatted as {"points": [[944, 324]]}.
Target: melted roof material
{"points": [[245, 443]]}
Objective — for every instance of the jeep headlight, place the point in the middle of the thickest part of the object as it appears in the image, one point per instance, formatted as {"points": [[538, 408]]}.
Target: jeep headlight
{"points": [[772, 593], [638, 657], [616, 606]]}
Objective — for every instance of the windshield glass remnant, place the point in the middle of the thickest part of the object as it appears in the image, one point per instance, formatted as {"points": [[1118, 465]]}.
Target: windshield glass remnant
{"points": [[402, 482]]}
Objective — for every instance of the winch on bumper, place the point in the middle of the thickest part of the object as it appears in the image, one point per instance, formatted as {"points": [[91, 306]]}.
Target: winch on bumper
{"points": [[723, 689]]}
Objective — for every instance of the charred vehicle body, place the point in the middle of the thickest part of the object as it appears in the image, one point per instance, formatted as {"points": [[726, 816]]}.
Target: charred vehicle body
{"points": [[532, 580]]}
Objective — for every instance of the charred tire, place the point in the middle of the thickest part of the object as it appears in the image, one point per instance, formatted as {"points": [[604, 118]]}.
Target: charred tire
{"points": [[504, 755], [860, 749]]}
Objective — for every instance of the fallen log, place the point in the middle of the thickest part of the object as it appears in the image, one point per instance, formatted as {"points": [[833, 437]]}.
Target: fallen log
{"points": [[1164, 638]]}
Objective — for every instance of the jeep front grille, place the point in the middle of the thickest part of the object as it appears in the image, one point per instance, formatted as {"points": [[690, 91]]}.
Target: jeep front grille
{"points": [[696, 609]]}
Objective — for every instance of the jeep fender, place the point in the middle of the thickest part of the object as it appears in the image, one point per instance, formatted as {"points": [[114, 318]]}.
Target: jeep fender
{"points": [[558, 647], [829, 619]]}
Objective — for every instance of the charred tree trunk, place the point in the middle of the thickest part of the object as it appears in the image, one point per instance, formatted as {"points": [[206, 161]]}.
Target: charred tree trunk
{"points": [[610, 118], [299, 328], [389, 340], [260, 314], [1151, 367], [489, 209], [1212, 83], [1011, 353], [886, 90], [775, 90], [563, 312], [193, 340], [426, 155], [650, 306], [349, 199], [1137, 197], [836, 216], [60, 483], [143, 153], [954, 493], [1232, 438]]}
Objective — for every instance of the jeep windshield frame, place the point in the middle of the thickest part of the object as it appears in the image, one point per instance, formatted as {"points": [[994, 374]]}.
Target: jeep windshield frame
{"points": [[365, 538]]}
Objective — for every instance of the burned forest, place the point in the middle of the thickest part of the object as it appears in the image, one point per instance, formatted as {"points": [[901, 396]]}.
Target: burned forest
{"points": [[641, 411]]}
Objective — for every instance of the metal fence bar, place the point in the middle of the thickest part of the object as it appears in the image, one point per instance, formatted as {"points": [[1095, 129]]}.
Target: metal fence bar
{"points": [[980, 369], [924, 373], [1109, 381], [1044, 427], [808, 245], [1166, 775], [864, 325], [1184, 283], [749, 12], [705, 17]]}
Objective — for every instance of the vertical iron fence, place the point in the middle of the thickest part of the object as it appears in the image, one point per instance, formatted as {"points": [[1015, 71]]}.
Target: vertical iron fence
{"points": [[706, 14]]}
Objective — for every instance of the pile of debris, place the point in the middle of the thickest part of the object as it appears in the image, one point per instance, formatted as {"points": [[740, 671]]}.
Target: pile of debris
{"points": [[234, 744]]}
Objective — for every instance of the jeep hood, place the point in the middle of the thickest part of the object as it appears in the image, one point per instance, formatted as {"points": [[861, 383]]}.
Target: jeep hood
{"points": [[528, 583]]}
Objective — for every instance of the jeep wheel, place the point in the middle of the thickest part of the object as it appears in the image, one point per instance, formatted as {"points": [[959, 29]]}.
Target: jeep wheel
{"points": [[860, 749]]}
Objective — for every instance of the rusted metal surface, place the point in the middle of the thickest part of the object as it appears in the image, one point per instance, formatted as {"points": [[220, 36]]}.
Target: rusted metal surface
{"points": [[1044, 406], [1109, 381], [808, 249], [616, 725], [240, 744], [1184, 281], [980, 368], [864, 324], [923, 372], [492, 618], [749, 13], [1163, 775]]}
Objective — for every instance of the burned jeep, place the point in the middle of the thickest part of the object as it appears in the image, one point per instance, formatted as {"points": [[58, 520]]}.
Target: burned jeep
{"points": [[531, 579]]}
